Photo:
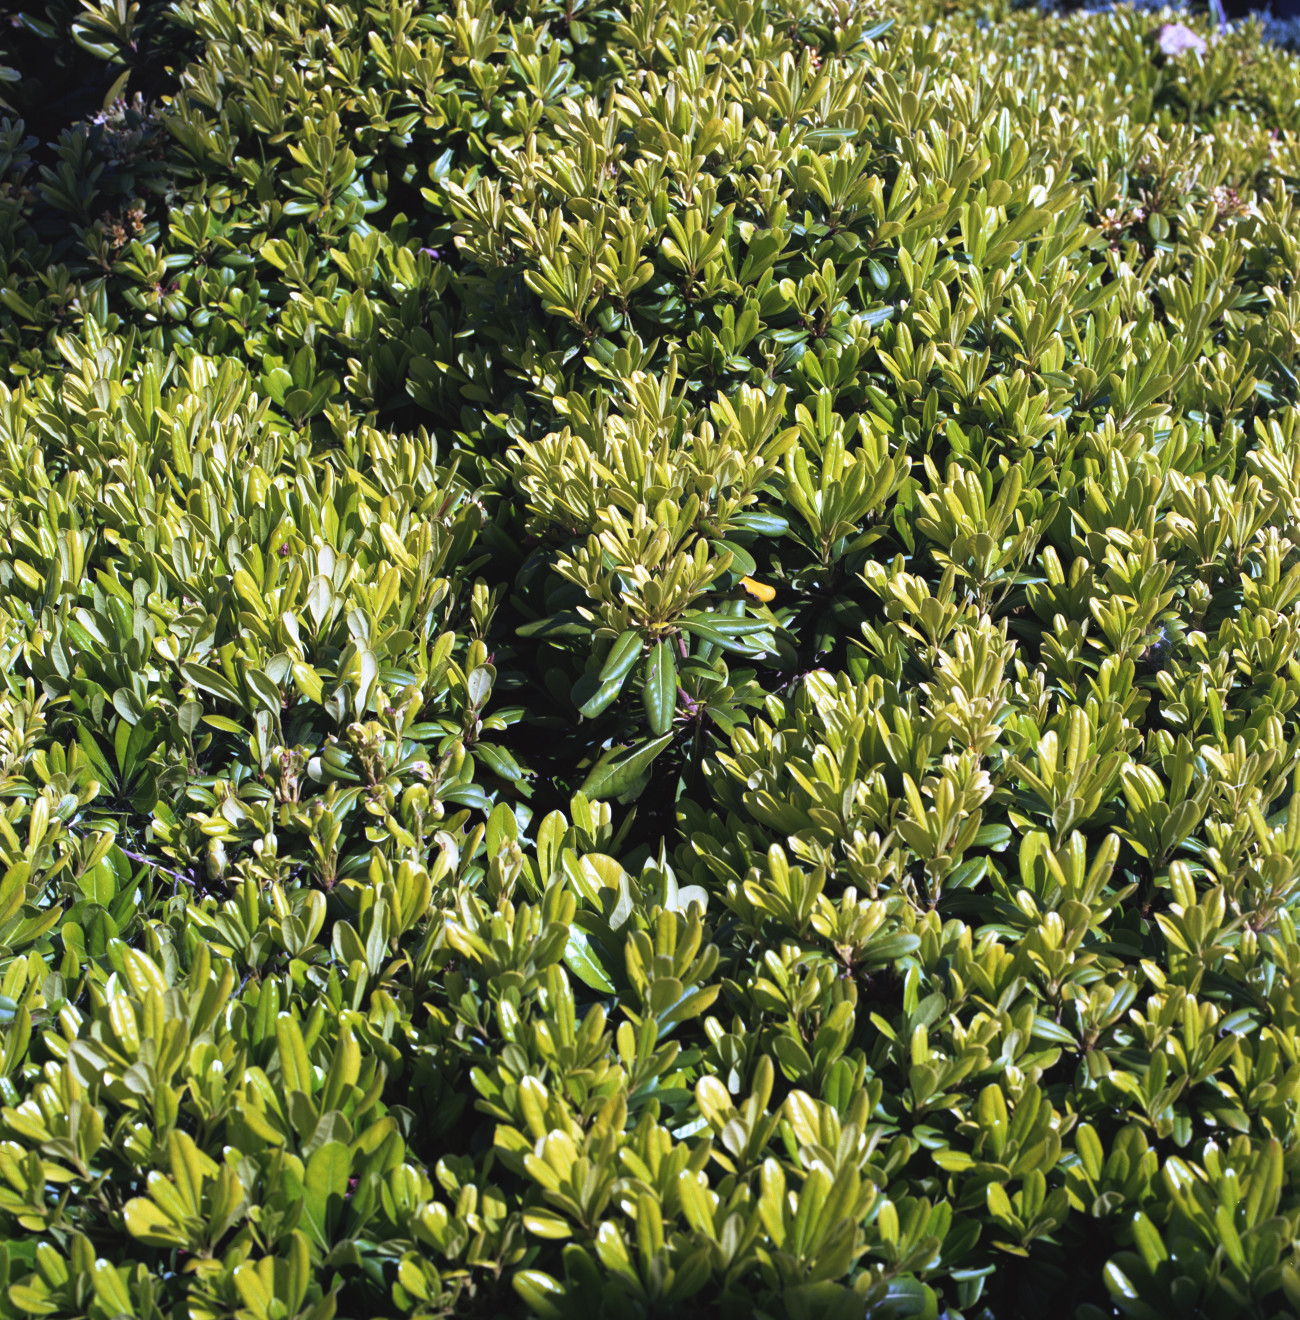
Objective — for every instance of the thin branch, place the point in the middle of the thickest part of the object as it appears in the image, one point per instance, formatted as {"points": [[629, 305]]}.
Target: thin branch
{"points": [[179, 877]]}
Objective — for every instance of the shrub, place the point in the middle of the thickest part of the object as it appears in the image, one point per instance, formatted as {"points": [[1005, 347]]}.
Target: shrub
{"points": [[651, 663]]}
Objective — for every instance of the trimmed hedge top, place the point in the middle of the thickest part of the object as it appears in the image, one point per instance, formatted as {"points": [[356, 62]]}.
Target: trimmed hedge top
{"points": [[650, 663]]}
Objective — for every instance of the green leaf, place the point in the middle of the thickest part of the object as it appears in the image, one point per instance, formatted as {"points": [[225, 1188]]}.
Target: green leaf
{"points": [[578, 959], [619, 768], [541, 1294], [267, 693], [225, 725], [764, 524], [13, 890], [148, 1224], [1149, 1243], [723, 625], [208, 680], [600, 699], [568, 623], [622, 657], [324, 1186], [547, 1224], [660, 693], [742, 562], [1045, 1029]]}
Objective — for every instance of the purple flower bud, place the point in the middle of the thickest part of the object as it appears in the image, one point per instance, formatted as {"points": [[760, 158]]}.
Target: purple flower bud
{"points": [[1176, 39]]}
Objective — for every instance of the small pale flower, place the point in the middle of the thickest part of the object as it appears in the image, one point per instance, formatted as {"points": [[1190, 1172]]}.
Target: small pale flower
{"points": [[1176, 39]]}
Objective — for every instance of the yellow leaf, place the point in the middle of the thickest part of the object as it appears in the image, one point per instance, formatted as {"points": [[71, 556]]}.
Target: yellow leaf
{"points": [[759, 590]]}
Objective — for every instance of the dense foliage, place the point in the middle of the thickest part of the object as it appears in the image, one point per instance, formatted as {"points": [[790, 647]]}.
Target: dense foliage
{"points": [[652, 662]]}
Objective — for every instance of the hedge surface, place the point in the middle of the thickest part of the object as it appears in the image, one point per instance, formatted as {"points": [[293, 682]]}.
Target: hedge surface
{"points": [[650, 662]]}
